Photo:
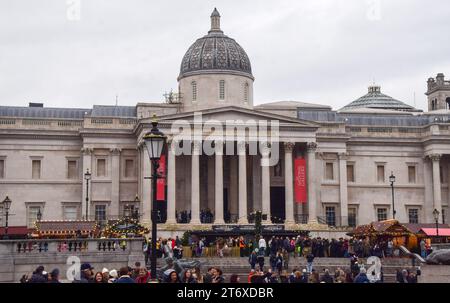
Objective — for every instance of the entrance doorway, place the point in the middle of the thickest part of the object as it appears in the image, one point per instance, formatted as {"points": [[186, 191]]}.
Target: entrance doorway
{"points": [[277, 204]]}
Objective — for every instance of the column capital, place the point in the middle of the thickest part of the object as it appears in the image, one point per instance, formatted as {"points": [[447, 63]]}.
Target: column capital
{"points": [[289, 147], [435, 157], [343, 156], [265, 149], [115, 151], [196, 147], [242, 147], [218, 147], [87, 151], [311, 147]]}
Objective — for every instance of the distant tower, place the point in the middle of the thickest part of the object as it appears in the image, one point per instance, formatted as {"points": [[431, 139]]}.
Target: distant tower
{"points": [[438, 93]]}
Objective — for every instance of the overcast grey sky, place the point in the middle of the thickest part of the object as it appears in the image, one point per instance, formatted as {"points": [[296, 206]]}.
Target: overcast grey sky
{"points": [[319, 51]]}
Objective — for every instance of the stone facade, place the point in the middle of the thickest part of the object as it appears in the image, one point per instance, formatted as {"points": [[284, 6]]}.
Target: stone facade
{"points": [[350, 154]]}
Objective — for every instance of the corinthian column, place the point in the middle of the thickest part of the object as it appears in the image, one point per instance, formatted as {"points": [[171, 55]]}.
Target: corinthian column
{"points": [[242, 183], [289, 182], [312, 199], [218, 192], [195, 183], [265, 182], [171, 183]]}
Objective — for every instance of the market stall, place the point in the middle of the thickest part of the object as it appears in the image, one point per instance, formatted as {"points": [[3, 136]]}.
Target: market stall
{"points": [[65, 229]]}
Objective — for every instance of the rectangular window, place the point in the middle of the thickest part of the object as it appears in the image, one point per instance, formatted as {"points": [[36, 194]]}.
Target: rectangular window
{"points": [[2, 169], [222, 90], [194, 91], [352, 216], [72, 172], [443, 217], [350, 173], [411, 174], [32, 215], [380, 174], [329, 174], [330, 212], [129, 169], [36, 169], [413, 215], [100, 213], [70, 213], [381, 214], [101, 167]]}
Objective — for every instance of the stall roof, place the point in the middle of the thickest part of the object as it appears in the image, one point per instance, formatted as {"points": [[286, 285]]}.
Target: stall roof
{"points": [[444, 232], [416, 227], [17, 230], [57, 228]]}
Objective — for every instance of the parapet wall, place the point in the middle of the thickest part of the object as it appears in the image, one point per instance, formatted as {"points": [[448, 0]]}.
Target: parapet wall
{"points": [[22, 257]]}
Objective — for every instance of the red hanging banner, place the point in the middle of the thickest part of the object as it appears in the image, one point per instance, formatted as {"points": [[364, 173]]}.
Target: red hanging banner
{"points": [[161, 183], [300, 180]]}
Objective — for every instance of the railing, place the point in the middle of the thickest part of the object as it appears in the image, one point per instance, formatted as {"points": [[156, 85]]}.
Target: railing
{"points": [[82, 245], [31, 123], [338, 221]]}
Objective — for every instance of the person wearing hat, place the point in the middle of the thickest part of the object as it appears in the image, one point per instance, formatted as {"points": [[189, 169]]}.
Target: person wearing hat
{"points": [[54, 276], [86, 274], [113, 276], [38, 276], [105, 274]]}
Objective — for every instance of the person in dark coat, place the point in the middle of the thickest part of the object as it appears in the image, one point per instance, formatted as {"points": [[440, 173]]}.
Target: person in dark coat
{"points": [[86, 274], [38, 276], [252, 259], [327, 278], [54, 276], [362, 277], [125, 273]]}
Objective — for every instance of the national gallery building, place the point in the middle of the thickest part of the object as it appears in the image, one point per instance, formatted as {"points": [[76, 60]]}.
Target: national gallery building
{"points": [[330, 167]]}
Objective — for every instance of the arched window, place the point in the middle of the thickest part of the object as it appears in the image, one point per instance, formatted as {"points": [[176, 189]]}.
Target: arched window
{"points": [[222, 90], [246, 86], [194, 91], [447, 101]]}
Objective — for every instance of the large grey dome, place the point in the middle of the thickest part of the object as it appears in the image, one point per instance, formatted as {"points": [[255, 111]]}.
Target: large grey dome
{"points": [[215, 53]]}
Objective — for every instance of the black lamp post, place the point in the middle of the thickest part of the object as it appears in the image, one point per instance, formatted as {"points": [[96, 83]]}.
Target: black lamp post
{"points": [[39, 215], [154, 142], [135, 214], [392, 180], [6, 205], [126, 213], [87, 177], [436, 219]]}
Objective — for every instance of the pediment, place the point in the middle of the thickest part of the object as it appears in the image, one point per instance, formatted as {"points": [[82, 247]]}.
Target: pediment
{"points": [[238, 114]]}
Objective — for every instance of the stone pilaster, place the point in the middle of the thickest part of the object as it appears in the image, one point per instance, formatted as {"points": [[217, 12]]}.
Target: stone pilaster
{"points": [[312, 195], [437, 196], [171, 183], [87, 165], [115, 182]]}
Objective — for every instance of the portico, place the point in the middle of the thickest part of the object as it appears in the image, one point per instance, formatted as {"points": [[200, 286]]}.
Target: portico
{"points": [[260, 165]]}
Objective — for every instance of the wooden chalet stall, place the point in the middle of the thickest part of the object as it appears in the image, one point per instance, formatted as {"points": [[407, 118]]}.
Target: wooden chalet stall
{"points": [[65, 229]]}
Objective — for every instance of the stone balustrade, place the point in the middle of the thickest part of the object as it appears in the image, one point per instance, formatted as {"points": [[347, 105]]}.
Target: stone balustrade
{"points": [[19, 257]]}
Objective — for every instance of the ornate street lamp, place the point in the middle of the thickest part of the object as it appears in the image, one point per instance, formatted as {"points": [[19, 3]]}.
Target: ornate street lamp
{"points": [[87, 177], [6, 206], [39, 215], [436, 214], [154, 142], [392, 180], [135, 214]]}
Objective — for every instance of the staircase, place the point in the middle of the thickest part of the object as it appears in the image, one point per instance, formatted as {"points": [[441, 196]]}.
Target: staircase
{"points": [[241, 267]]}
